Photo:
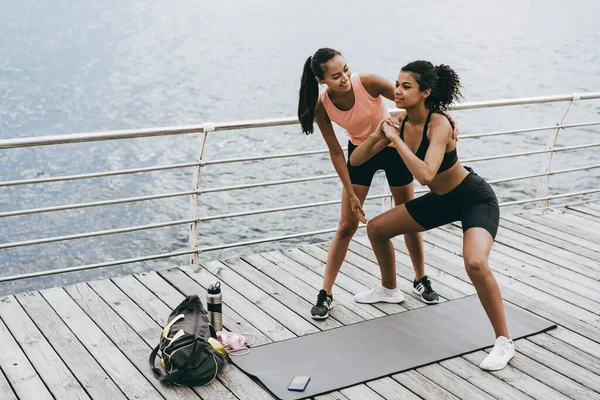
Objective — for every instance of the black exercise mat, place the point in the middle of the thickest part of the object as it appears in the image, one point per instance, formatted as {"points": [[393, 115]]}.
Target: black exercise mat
{"points": [[361, 352]]}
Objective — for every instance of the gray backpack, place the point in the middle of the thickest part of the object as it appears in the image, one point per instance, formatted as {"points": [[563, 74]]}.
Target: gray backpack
{"points": [[186, 355]]}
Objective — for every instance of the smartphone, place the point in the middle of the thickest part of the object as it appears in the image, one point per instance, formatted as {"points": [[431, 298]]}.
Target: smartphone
{"points": [[299, 383]]}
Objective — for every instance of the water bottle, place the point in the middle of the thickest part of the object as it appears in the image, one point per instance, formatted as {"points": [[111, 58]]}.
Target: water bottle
{"points": [[213, 304]]}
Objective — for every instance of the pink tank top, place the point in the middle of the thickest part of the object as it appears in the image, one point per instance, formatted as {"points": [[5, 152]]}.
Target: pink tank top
{"points": [[362, 119]]}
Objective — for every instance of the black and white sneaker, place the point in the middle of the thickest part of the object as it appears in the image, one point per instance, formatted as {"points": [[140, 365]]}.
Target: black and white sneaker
{"points": [[324, 304], [423, 288]]}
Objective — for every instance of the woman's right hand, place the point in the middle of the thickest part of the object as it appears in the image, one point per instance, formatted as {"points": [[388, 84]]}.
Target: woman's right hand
{"points": [[357, 208]]}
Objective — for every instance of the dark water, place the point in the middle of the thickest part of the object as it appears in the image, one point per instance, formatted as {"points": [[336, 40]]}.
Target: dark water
{"points": [[100, 65]]}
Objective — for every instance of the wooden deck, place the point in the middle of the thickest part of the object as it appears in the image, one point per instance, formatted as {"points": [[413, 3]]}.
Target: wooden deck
{"points": [[92, 340]]}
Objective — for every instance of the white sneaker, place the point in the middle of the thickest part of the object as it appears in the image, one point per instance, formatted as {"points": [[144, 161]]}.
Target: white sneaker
{"points": [[379, 294], [503, 351]]}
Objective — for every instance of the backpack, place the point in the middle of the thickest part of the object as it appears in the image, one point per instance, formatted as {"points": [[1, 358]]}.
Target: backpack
{"points": [[185, 352]]}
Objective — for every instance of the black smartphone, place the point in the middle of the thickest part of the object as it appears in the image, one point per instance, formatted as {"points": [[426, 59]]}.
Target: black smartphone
{"points": [[299, 383]]}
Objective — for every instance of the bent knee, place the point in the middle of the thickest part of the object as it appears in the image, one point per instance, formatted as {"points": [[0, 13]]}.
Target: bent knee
{"points": [[347, 228], [375, 230], [476, 266]]}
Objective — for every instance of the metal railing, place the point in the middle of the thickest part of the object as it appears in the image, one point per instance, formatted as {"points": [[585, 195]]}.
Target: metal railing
{"points": [[542, 196]]}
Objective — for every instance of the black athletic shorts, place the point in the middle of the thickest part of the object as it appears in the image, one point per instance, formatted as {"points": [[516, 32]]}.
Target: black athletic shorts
{"points": [[388, 159], [473, 202]]}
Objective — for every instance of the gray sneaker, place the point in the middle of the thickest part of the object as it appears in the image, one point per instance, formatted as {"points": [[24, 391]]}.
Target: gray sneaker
{"points": [[324, 304], [423, 288]]}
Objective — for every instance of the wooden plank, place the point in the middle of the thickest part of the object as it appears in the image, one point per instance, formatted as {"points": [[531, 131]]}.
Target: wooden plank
{"points": [[277, 273], [269, 305], [88, 372], [231, 377], [6, 392], [446, 258], [447, 244], [342, 279], [576, 340], [238, 303], [585, 297], [48, 365], [590, 215], [532, 299], [561, 220], [363, 257], [586, 210], [565, 363], [114, 362], [551, 378], [361, 392], [128, 327], [422, 386], [453, 383], [594, 206], [583, 275], [450, 285], [313, 278], [331, 396], [149, 330], [369, 280], [320, 254], [536, 261], [184, 285], [294, 297], [543, 250], [483, 380], [566, 357], [19, 372], [543, 233], [391, 389], [548, 229], [526, 383]]}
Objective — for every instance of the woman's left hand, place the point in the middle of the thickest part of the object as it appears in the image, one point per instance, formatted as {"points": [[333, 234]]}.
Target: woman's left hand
{"points": [[390, 131], [454, 126]]}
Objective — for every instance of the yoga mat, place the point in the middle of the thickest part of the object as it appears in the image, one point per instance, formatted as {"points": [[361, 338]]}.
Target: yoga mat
{"points": [[358, 353]]}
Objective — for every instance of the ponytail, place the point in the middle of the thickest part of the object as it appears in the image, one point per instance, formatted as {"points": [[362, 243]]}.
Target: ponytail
{"points": [[442, 80], [447, 90], [309, 95], [309, 87]]}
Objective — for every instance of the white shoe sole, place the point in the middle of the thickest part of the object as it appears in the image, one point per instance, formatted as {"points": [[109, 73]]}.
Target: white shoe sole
{"points": [[394, 300], [415, 291]]}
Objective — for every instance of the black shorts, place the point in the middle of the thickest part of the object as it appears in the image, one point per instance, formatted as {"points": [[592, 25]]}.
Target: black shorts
{"points": [[388, 159], [473, 202]]}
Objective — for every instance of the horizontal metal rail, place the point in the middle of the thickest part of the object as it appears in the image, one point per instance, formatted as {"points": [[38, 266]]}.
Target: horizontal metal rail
{"points": [[538, 175], [256, 158], [94, 204], [532, 152], [263, 184], [94, 266], [209, 127], [174, 223], [95, 234], [256, 212], [97, 174], [271, 239]]}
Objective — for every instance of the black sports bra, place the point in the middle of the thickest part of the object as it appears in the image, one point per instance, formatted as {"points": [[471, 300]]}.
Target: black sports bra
{"points": [[450, 158]]}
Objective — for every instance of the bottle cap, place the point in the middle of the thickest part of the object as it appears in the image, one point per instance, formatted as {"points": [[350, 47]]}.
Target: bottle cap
{"points": [[214, 288]]}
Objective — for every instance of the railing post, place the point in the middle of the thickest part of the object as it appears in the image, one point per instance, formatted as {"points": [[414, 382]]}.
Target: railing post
{"points": [[546, 163], [193, 233]]}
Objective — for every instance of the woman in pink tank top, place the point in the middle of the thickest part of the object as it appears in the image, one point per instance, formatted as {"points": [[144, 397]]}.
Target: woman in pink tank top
{"points": [[355, 103]]}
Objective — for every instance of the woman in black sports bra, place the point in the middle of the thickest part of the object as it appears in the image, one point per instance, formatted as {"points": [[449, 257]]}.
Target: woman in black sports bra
{"points": [[423, 140]]}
